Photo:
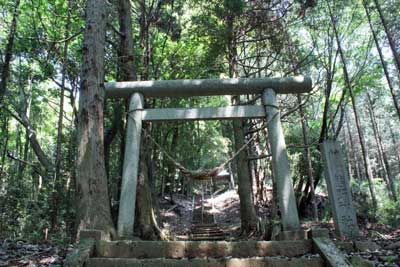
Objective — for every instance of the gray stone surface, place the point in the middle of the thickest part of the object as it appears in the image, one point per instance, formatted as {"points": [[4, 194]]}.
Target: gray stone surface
{"points": [[93, 233], [206, 113], [209, 87], [243, 262], [332, 255], [81, 252], [292, 235], [280, 163], [126, 216], [201, 249], [337, 181], [317, 232]]}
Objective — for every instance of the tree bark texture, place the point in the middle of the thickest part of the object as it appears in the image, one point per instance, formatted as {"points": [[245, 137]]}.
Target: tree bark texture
{"points": [[146, 225], [307, 157], [146, 222], [93, 209], [126, 71], [248, 216]]}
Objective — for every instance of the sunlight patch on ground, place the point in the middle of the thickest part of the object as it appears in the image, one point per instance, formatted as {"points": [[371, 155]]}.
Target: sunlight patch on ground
{"points": [[222, 199]]}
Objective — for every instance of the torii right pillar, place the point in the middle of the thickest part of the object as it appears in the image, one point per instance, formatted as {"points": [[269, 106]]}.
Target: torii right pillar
{"points": [[280, 163]]}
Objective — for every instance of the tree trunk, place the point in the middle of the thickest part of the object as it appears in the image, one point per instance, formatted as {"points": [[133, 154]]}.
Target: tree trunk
{"points": [[348, 155], [146, 225], [112, 131], [93, 209], [390, 38], [395, 145], [353, 150], [170, 181], [9, 52], [4, 151], [367, 165], [248, 216], [146, 221], [58, 185], [307, 157], [304, 125], [70, 220], [25, 109], [126, 47], [381, 152], [383, 62], [44, 160], [330, 73], [126, 72]]}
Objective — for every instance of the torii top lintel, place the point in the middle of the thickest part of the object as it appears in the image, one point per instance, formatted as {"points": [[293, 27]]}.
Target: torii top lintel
{"points": [[209, 87]]}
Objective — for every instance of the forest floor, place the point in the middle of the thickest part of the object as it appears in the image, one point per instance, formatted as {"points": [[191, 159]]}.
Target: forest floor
{"points": [[176, 217]]}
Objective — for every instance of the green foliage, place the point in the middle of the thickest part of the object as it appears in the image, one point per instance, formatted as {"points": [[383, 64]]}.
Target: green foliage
{"points": [[234, 6], [388, 213]]}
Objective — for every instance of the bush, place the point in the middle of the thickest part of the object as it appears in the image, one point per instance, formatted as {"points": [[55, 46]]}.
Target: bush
{"points": [[388, 213]]}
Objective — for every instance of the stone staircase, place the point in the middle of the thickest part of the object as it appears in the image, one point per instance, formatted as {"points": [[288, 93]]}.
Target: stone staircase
{"points": [[206, 232], [204, 253], [204, 227], [317, 250]]}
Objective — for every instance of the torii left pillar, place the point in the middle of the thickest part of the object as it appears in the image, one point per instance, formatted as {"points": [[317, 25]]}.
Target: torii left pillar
{"points": [[280, 163], [126, 216]]}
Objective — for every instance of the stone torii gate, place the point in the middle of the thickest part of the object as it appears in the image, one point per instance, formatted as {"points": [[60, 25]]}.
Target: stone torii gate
{"points": [[268, 87]]}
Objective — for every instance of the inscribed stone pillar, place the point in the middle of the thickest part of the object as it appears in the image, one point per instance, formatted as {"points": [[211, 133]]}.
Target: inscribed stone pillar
{"points": [[280, 163], [337, 181], [126, 216]]}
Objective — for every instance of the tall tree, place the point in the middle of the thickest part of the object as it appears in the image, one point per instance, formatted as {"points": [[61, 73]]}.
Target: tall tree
{"points": [[349, 87], [93, 209], [57, 177], [146, 222], [381, 151], [305, 130], [248, 215], [383, 62], [388, 35], [5, 72]]}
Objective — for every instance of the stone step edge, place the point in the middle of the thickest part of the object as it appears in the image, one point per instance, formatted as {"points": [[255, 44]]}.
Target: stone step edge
{"points": [[232, 262], [208, 234], [193, 249]]}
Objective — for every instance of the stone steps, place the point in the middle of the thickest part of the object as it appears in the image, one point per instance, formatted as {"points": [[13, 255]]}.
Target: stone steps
{"points": [[208, 238], [247, 262], [201, 249], [204, 232], [129, 253], [286, 253]]}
